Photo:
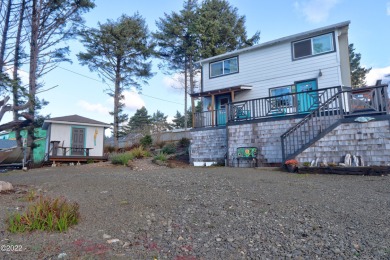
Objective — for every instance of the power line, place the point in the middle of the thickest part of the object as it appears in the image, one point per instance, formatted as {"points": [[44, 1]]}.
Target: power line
{"points": [[85, 76]]}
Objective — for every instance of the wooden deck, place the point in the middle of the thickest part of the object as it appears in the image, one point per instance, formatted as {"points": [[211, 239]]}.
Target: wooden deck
{"points": [[77, 158]]}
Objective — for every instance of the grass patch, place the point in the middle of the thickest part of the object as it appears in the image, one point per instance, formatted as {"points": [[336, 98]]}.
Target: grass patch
{"points": [[161, 157], [121, 158], [139, 152], [45, 214]]}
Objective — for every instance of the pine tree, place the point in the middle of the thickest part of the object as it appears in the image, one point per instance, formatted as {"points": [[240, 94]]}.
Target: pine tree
{"points": [[178, 120], [198, 32], [119, 51], [140, 122], [159, 122], [358, 73]]}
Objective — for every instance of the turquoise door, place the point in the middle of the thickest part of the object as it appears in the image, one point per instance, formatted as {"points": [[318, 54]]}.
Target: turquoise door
{"points": [[309, 100], [222, 102]]}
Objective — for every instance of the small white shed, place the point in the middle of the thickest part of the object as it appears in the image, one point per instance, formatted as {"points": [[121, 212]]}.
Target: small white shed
{"points": [[74, 137]]}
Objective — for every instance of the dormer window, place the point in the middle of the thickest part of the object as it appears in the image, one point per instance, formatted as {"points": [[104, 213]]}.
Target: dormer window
{"points": [[224, 67], [313, 46]]}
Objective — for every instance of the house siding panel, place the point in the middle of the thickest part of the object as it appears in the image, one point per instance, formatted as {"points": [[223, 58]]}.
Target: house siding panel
{"points": [[272, 67]]}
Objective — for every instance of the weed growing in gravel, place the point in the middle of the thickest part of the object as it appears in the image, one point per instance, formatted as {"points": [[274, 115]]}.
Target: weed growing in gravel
{"points": [[31, 194], [161, 157], [121, 158], [45, 214]]}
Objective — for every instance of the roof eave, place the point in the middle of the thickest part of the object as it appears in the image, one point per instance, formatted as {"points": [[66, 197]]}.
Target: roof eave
{"points": [[279, 40], [46, 124]]}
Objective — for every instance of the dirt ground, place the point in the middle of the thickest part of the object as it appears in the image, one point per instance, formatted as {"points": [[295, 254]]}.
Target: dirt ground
{"points": [[157, 212]]}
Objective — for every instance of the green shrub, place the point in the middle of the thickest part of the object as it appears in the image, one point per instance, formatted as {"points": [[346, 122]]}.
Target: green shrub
{"points": [[146, 141], [184, 142], [161, 157], [121, 158], [46, 214], [169, 148]]}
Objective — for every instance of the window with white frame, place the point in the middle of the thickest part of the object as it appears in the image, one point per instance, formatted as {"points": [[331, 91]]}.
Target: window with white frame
{"points": [[224, 67], [280, 98], [313, 46]]}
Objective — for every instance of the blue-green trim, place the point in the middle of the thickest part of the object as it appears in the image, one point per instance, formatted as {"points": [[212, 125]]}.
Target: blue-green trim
{"points": [[85, 137]]}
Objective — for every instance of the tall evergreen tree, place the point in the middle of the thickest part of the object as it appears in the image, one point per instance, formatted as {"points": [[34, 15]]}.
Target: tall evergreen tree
{"points": [[119, 52], [358, 73], [178, 48], [220, 29], [199, 32]]}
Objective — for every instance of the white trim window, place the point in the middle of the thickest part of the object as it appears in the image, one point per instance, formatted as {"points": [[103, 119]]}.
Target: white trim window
{"points": [[313, 46], [224, 67]]}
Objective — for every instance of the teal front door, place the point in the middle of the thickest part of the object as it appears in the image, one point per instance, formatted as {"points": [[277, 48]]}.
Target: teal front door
{"points": [[222, 102], [309, 100]]}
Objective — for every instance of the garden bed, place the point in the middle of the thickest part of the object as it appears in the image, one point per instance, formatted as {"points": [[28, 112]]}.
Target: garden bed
{"points": [[366, 170]]}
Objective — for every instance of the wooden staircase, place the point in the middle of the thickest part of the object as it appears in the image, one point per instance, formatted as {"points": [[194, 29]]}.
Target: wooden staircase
{"points": [[328, 115]]}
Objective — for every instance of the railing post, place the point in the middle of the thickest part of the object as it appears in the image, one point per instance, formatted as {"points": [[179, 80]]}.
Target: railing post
{"points": [[341, 106], [387, 101], [283, 151]]}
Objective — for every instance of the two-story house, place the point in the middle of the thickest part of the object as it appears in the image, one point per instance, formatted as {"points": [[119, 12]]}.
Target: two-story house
{"points": [[253, 96]]}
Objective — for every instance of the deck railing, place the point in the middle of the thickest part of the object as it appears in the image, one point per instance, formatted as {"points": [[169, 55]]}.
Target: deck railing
{"points": [[275, 106], [211, 118], [355, 102]]}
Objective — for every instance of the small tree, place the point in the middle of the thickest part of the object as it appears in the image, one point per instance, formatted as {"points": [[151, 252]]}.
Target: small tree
{"points": [[159, 122], [119, 52], [358, 73], [139, 122]]}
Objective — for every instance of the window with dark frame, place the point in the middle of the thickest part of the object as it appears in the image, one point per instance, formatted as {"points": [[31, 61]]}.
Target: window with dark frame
{"points": [[224, 67], [313, 46], [280, 98]]}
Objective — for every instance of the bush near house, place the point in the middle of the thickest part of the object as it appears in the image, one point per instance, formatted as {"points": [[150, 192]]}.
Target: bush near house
{"points": [[146, 141], [169, 148]]}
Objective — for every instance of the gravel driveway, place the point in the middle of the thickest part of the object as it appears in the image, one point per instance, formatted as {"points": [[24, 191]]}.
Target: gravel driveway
{"points": [[205, 213]]}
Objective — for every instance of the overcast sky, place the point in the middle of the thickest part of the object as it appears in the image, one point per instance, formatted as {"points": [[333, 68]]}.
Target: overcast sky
{"points": [[81, 92]]}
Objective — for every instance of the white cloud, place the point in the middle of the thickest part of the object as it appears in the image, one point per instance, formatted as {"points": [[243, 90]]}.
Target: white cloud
{"points": [[375, 74], [133, 100], [176, 81], [315, 11], [99, 108], [388, 8]]}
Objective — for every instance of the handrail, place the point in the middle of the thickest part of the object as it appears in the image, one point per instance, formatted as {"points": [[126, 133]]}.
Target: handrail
{"points": [[354, 102]]}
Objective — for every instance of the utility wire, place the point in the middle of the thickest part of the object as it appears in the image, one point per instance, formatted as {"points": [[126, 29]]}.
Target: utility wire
{"points": [[85, 76]]}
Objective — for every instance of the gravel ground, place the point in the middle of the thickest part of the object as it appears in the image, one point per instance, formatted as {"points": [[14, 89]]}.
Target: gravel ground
{"points": [[156, 212]]}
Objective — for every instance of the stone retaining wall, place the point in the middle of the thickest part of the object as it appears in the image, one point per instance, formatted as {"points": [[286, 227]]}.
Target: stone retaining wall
{"points": [[370, 140], [208, 145], [263, 135]]}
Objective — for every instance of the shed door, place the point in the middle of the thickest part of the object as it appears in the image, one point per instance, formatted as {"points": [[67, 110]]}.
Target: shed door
{"points": [[78, 136]]}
